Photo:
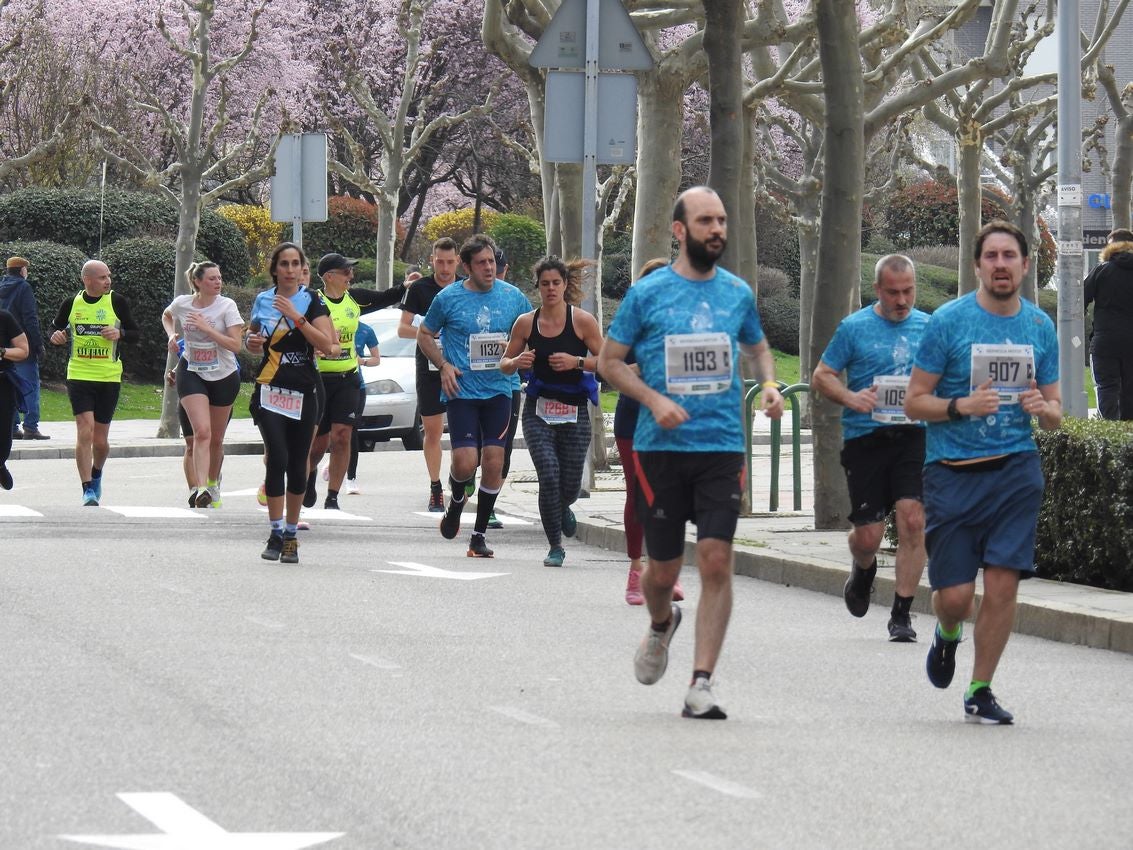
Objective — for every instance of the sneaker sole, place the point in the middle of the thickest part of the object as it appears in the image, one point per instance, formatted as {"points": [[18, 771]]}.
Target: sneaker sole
{"points": [[269, 556], [471, 554], [987, 721], [283, 560], [714, 713]]}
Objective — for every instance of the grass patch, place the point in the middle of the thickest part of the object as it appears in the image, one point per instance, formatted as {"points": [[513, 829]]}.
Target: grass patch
{"points": [[136, 401]]}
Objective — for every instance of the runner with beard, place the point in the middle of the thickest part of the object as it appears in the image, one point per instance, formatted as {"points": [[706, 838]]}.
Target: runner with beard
{"points": [[685, 323]]}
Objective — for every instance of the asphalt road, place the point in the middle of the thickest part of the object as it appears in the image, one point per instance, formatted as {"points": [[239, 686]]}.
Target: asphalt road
{"points": [[163, 687]]}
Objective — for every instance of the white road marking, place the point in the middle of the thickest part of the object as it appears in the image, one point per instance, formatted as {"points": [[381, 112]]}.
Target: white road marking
{"points": [[184, 828], [506, 519], [523, 716], [717, 783], [17, 510], [149, 512], [251, 491], [375, 661], [322, 513], [267, 624], [425, 571]]}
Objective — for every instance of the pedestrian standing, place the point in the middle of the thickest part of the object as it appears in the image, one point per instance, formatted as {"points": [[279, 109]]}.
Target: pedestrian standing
{"points": [[17, 297], [685, 322], [100, 322], [13, 349], [883, 452], [1109, 287], [557, 344], [988, 364]]}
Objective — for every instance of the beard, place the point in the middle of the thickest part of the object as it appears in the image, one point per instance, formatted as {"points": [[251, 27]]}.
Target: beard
{"points": [[1004, 294], [700, 255]]}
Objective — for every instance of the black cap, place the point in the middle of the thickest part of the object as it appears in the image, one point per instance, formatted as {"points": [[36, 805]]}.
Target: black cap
{"points": [[335, 262], [501, 258]]}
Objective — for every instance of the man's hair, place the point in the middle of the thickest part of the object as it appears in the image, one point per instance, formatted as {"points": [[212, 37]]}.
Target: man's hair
{"points": [[679, 213], [895, 263], [474, 244], [1121, 234], [17, 263], [445, 243], [999, 226]]}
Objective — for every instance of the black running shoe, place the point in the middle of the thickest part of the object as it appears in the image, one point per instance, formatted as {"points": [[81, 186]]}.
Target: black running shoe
{"points": [[290, 553], [859, 588], [312, 495], [941, 662], [450, 522], [274, 547], [982, 707], [901, 629], [331, 503], [478, 547]]}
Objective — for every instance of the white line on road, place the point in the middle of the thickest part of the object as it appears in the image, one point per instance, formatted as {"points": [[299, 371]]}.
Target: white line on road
{"points": [[267, 624], [523, 716], [716, 783], [17, 510], [375, 661], [425, 571], [148, 512], [504, 518]]}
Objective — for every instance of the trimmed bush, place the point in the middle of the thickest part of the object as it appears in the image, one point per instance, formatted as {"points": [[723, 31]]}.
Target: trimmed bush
{"points": [[260, 233], [55, 274], [771, 282], [617, 255], [458, 225], [71, 217], [777, 243], [779, 316], [351, 229], [142, 270], [1087, 510], [523, 240]]}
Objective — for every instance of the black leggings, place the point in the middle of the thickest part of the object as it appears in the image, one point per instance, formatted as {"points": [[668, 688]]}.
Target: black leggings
{"points": [[287, 443], [7, 417]]}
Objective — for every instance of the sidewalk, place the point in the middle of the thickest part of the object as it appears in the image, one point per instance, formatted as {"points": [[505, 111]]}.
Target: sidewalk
{"points": [[781, 547]]}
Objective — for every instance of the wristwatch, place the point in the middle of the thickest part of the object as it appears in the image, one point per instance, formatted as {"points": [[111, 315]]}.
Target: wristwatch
{"points": [[953, 413], [302, 320], [581, 362], [3, 351]]}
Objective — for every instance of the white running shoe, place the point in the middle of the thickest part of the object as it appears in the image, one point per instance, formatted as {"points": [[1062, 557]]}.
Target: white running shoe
{"points": [[352, 487], [326, 472], [701, 704], [652, 657]]}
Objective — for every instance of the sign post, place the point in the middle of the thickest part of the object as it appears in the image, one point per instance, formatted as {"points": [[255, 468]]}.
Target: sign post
{"points": [[299, 185]]}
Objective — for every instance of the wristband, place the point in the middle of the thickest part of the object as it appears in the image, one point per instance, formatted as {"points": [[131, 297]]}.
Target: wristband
{"points": [[954, 413], [767, 384]]}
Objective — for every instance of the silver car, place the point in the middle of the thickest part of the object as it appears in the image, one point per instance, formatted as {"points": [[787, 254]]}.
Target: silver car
{"points": [[391, 387]]}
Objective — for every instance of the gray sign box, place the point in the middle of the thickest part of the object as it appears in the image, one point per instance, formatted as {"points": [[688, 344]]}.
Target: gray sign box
{"points": [[563, 43], [617, 118], [299, 185]]}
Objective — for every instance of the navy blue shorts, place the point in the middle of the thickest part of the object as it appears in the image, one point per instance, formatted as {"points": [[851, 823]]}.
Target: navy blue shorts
{"points": [[477, 422], [981, 517]]}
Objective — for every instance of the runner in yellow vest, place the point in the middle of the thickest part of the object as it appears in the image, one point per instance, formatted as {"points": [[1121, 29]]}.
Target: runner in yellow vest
{"points": [[100, 322], [340, 374]]}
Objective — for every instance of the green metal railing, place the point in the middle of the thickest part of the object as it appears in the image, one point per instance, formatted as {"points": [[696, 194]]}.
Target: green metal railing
{"points": [[789, 394]]}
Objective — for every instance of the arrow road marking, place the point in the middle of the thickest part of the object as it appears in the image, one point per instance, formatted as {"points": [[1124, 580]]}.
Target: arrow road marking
{"points": [[424, 570], [184, 828], [716, 783]]}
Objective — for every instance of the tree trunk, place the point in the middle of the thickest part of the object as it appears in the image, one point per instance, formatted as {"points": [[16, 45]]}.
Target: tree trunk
{"points": [[568, 190], [1122, 172], [968, 198], [1027, 221], [386, 238], [659, 124], [723, 24], [839, 250], [807, 223], [743, 234]]}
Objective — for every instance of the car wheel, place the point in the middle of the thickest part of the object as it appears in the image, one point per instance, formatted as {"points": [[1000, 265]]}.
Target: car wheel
{"points": [[414, 441]]}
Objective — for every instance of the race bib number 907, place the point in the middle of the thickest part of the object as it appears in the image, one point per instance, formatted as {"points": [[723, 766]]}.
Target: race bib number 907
{"points": [[1010, 368]]}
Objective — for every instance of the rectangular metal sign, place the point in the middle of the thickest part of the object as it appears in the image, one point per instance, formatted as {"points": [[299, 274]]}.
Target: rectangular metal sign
{"points": [[617, 118], [299, 185]]}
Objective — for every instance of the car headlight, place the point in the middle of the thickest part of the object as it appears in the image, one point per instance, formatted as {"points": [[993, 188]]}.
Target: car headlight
{"points": [[383, 387]]}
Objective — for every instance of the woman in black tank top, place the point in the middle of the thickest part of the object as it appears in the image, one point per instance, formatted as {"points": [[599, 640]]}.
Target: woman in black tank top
{"points": [[556, 346]]}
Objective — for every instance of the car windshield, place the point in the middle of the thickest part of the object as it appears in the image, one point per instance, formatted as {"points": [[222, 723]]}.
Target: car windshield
{"points": [[385, 322]]}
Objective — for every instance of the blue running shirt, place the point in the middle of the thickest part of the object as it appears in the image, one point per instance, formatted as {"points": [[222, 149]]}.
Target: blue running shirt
{"points": [[462, 313], [664, 304], [946, 350], [867, 345]]}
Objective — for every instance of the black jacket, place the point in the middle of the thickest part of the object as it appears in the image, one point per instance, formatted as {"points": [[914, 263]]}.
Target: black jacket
{"points": [[17, 298], [1109, 286]]}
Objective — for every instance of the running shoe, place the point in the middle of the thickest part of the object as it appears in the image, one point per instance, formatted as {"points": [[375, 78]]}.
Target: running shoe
{"points": [[312, 495], [352, 487], [204, 498], [901, 629], [450, 522], [941, 662], [262, 495], [273, 548], [90, 499], [214, 492], [5, 477], [678, 592], [493, 522], [700, 704], [303, 525], [326, 472], [634, 596], [193, 498], [652, 656], [859, 588], [555, 557], [982, 707], [436, 501], [570, 523], [478, 547], [331, 503], [96, 487], [290, 553]]}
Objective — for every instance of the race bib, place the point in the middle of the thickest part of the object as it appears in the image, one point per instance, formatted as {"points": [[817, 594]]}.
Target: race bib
{"points": [[285, 402], [202, 356], [889, 409], [485, 350], [698, 364], [555, 412], [1010, 368]]}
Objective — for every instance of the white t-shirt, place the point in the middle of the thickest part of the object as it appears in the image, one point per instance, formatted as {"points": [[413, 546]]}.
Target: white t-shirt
{"points": [[208, 359]]}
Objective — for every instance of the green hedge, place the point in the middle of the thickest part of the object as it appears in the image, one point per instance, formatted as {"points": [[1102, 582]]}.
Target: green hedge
{"points": [[779, 316], [71, 217], [55, 274], [1087, 510], [523, 241]]}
